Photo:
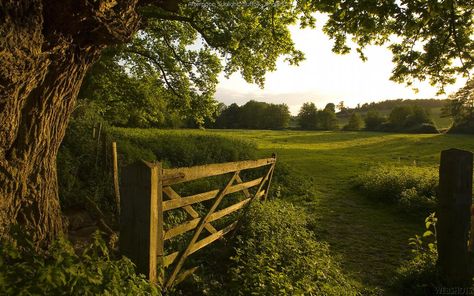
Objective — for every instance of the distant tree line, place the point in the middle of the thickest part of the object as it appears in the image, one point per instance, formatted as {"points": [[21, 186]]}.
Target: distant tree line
{"points": [[460, 108], [411, 116], [404, 118], [413, 119], [310, 118], [252, 115], [391, 104]]}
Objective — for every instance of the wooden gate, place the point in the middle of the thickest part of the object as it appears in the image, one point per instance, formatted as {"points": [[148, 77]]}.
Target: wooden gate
{"points": [[146, 194]]}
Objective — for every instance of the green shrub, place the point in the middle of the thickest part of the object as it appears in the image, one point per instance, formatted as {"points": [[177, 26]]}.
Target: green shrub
{"points": [[419, 275], [424, 128], [275, 254], [413, 188], [59, 271]]}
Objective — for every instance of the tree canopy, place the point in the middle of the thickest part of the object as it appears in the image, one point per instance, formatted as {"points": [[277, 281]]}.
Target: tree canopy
{"points": [[254, 115], [179, 48], [460, 108], [185, 45], [430, 40], [310, 118]]}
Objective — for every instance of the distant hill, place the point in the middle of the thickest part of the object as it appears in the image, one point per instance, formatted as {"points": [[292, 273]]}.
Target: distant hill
{"points": [[433, 106], [390, 104]]}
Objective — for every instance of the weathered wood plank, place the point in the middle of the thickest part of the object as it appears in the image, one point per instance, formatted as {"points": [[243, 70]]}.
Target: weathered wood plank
{"points": [[116, 176], [183, 275], [173, 195], [182, 228], [224, 212], [158, 211], [138, 205], [244, 186], [169, 259], [198, 231], [155, 245], [189, 200], [246, 191], [211, 238], [270, 179], [190, 225], [260, 187], [180, 175]]}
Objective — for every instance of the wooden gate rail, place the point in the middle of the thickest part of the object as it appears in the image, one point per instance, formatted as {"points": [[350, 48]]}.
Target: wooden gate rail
{"points": [[142, 233]]}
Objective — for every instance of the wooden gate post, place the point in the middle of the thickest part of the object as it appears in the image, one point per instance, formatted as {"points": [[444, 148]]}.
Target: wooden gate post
{"points": [[116, 177], [140, 218], [454, 215]]}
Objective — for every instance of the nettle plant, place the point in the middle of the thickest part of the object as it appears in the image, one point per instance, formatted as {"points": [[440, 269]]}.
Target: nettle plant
{"points": [[427, 241]]}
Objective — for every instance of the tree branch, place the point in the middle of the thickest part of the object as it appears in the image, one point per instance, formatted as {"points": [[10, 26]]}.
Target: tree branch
{"points": [[160, 67], [175, 54], [168, 5], [456, 40]]}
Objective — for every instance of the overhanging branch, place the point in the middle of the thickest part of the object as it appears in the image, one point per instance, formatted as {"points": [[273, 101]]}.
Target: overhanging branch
{"points": [[160, 67]]}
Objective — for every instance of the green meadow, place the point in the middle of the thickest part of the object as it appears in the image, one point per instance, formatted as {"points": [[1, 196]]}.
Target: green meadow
{"points": [[370, 239]]}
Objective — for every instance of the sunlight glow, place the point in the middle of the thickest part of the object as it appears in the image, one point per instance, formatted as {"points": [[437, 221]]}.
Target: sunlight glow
{"points": [[326, 77]]}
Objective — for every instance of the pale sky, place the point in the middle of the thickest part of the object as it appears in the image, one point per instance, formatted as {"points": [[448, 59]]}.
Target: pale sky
{"points": [[326, 77]]}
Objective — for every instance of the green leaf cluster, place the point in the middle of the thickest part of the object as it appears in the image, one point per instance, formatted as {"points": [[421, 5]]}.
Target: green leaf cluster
{"points": [[419, 275], [60, 271], [276, 254]]}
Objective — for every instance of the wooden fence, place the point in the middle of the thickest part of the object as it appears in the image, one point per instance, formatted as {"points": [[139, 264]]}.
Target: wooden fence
{"points": [[146, 194]]}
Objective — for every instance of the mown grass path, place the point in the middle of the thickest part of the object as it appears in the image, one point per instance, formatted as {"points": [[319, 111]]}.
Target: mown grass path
{"points": [[370, 239]]}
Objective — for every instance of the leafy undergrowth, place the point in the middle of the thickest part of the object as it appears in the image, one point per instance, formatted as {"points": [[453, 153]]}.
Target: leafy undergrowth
{"points": [[276, 254], [59, 271], [419, 275], [411, 188], [272, 253]]}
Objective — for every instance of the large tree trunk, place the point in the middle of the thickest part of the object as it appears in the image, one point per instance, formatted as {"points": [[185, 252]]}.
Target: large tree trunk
{"points": [[45, 51]]}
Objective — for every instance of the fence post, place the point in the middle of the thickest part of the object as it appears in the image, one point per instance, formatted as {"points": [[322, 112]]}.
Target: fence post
{"points": [[454, 215], [116, 177], [160, 239], [139, 216]]}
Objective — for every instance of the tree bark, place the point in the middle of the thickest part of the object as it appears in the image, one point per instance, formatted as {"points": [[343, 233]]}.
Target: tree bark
{"points": [[45, 51]]}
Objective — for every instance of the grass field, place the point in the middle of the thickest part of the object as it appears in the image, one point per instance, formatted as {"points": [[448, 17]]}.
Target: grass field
{"points": [[369, 239]]}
